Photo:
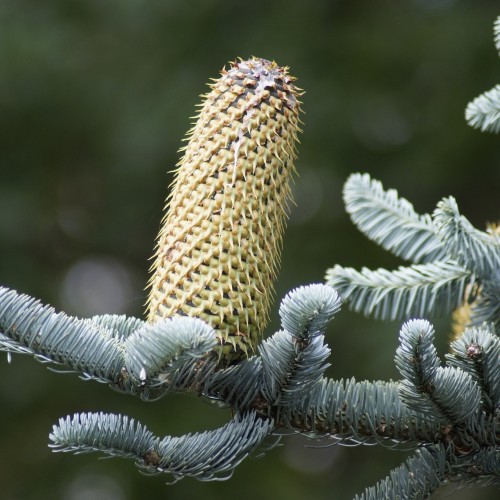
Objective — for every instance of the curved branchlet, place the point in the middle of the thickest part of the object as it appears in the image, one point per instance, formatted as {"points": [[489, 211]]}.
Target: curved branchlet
{"points": [[476, 250], [419, 290], [479, 252], [448, 394], [391, 221], [84, 346], [205, 456], [294, 359], [477, 352], [166, 344], [306, 311], [416, 357], [291, 367]]}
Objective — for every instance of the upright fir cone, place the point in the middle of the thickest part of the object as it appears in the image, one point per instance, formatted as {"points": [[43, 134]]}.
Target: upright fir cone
{"points": [[219, 246]]}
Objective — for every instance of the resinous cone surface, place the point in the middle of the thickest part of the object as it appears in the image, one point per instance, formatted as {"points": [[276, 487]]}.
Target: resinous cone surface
{"points": [[220, 242]]}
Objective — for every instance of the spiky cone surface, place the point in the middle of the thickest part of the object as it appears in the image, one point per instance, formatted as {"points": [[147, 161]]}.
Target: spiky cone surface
{"points": [[220, 242]]}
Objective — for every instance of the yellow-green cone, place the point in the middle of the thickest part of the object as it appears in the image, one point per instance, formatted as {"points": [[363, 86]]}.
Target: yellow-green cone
{"points": [[219, 246]]}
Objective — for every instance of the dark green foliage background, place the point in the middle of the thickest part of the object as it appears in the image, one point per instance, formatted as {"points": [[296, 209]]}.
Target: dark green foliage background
{"points": [[95, 97]]}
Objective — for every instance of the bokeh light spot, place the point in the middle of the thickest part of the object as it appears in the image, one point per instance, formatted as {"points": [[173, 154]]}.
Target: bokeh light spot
{"points": [[97, 285]]}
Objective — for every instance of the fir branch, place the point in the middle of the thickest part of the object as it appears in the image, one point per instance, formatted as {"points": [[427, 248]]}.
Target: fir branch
{"points": [[305, 311], [477, 352], [363, 411], [304, 401], [416, 357], [484, 111], [205, 456], [447, 394], [476, 250], [106, 348], [293, 360], [419, 290], [33, 328], [277, 352], [456, 395], [391, 221], [115, 435], [291, 368], [163, 345], [419, 477]]}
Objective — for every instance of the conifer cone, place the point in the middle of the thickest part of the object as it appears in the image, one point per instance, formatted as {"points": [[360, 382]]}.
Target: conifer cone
{"points": [[220, 242]]}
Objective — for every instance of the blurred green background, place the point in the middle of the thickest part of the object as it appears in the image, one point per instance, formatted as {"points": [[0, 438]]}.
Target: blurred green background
{"points": [[95, 97]]}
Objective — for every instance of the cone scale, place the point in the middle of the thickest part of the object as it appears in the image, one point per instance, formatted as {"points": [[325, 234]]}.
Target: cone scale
{"points": [[219, 246]]}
